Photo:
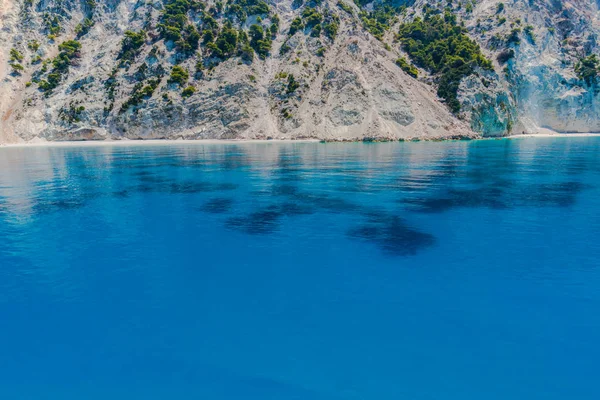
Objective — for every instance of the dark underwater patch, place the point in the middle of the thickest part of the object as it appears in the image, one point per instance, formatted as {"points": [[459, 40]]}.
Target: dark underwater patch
{"points": [[145, 188], [188, 187], [197, 187], [225, 186], [393, 236], [164, 185], [431, 205], [48, 206], [376, 216], [284, 190], [562, 194], [310, 202], [291, 209], [327, 203], [121, 193], [459, 198], [154, 179], [234, 161], [217, 205], [500, 196], [261, 222], [142, 173]]}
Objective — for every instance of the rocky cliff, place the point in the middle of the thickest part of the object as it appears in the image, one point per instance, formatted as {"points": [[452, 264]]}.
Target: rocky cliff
{"points": [[536, 46], [328, 69]]}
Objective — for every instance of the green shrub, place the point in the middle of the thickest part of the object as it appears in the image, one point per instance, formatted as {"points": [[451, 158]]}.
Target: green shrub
{"points": [[407, 67], [345, 7], [173, 19], [33, 45], [179, 75], [189, 41], [296, 26], [16, 55], [111, 84], [258, 41], [260, 7], [131, 44], [292, 85], [139, 93], [83, 27], [51, 25], [188, 91], [15, 61], [173, 25], [17, 68], [68, 52], [275, 23], [199, 67], [587, 69], [241, 9], [331, 30], [70, 48], [285, 47], [530, 33], [71, 114], [513, 37], [316, 31], [247, 52], [225, 45], [311, 17], [380, 19]]}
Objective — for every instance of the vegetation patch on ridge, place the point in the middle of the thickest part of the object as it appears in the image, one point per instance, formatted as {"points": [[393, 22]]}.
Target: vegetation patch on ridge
{"points": [[69, 51], [588, 69], [441, 46], [381, 18]]}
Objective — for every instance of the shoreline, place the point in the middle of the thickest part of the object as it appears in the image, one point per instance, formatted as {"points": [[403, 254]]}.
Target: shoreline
{"points": [[155, 142], [149, 142], [548, 134]]}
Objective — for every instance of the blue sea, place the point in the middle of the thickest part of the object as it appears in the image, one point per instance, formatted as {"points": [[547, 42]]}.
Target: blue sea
{"points": [[451, 270]]}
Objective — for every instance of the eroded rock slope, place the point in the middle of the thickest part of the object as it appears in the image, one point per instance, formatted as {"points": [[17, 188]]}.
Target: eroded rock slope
{"points": [[93, 70]]}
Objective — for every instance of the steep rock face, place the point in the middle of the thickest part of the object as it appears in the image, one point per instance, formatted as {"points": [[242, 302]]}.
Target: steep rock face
{"points": [[348, 88], [486, 102], [548, 38], [311, 84]]}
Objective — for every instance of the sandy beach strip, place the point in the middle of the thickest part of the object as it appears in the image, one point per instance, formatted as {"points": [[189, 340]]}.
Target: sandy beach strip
{"points": [[162, 142]]}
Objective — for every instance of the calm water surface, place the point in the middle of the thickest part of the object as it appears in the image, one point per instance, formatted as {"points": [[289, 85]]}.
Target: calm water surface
{"points": [[459, 270]]}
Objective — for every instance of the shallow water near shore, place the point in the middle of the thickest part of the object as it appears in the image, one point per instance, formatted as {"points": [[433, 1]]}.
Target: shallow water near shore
{"points": [[452, 270]]}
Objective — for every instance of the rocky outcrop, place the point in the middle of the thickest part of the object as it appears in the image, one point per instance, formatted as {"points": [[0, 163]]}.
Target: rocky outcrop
{"points": [[548, 38]]}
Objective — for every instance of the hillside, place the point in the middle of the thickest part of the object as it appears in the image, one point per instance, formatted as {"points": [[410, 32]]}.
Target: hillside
{"points": [[334, 70]]}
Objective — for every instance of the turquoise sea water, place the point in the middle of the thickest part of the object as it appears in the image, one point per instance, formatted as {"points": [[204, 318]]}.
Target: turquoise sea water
{"points": [[457, 270]]}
